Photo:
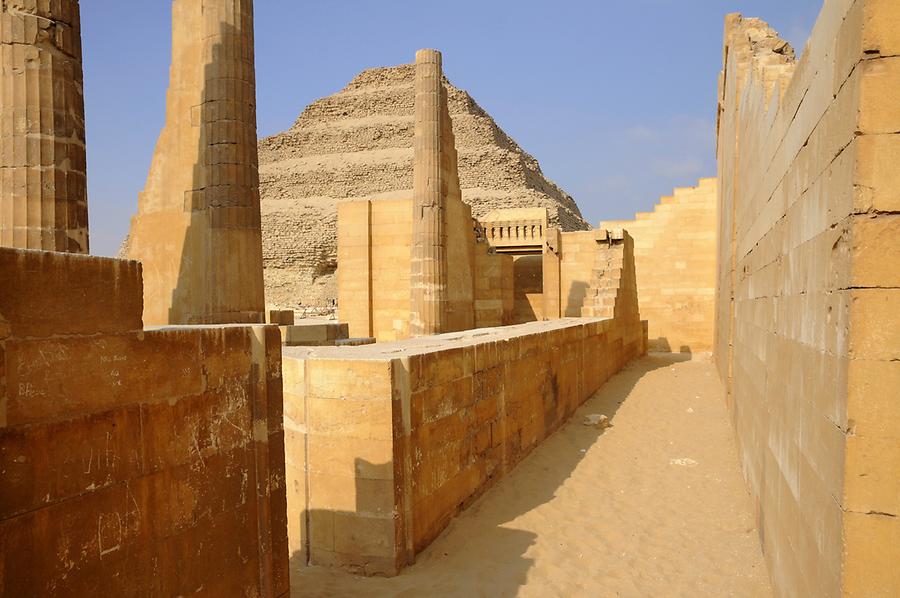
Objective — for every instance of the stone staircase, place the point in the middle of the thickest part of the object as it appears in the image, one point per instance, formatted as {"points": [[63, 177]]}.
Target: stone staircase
{"points": [[606, 279]]}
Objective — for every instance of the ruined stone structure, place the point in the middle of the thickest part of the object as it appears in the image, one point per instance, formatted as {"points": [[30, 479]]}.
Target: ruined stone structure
{"points": [[43, 192], [397, 280], [134, 462], [807, 329], [197, 230], [488, 285], [137, 462], [385, 444], [201, 459], [522, 234], [675, 256], [435, 183], [358, 144]]}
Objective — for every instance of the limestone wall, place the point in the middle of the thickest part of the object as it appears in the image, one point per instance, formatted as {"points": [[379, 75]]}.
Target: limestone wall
{"points": [[493, 287], [374, 240], [580, 254], [675, 253], [386, 443], [807, 335], [487, 289], [460, 267], [133, 462], [374, 249]]}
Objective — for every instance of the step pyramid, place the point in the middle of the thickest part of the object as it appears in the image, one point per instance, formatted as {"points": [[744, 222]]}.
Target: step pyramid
{"points": [[358, 143]]}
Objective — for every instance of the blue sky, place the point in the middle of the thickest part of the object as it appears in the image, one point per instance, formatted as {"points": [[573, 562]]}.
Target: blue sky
{"points": [[615, 98]]}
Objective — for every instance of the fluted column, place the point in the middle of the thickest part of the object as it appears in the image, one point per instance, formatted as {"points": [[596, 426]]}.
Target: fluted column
{"points": [[428, 277], [197, 230], [43, 198]]}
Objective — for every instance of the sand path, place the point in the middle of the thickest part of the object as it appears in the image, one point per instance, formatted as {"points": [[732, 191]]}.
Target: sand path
{"points": [[654, 506]]}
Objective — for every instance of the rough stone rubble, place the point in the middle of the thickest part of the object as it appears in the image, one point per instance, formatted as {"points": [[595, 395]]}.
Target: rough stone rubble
{"points": [[358, 143]]}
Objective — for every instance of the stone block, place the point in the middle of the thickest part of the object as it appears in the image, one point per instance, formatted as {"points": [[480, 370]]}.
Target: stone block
{"points": [[85, 374], [369, 536], [103, 295], [49, 463], [369, 419], [281, 317], [361, 458], [340, 379], [875, 332], [869, 558], [314, 334], [878, 181]]}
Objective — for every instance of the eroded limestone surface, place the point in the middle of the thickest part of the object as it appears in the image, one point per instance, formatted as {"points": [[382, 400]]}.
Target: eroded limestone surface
{"points": [[43, 193], [197, 229], [358, 144]]}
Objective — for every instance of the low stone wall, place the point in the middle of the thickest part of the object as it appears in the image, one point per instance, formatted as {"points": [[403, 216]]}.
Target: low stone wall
{"points": [[133, 462], [386, 443]]}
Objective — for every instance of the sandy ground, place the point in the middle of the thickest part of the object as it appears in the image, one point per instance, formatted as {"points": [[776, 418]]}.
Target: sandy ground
{"points": [[653, 506]]}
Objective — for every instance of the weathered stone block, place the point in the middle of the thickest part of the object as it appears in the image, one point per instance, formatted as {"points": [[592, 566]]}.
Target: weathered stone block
{"points": [[102, 294], [63, 377]]}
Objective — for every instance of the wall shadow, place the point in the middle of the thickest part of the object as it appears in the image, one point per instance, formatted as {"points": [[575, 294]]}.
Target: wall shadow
{"points": [[528, 280], [575, 300], [480, 553], [661, 344]]}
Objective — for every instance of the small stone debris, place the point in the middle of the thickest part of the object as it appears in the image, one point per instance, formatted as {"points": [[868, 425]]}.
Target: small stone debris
{"points": [[683, 462], [597, 420]]}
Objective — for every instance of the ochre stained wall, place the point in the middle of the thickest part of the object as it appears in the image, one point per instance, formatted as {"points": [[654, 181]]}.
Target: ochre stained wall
{"points": [[134, 462]]}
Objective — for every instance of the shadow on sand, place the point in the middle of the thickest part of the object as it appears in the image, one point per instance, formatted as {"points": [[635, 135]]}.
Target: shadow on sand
{"points": [[481, 553]]}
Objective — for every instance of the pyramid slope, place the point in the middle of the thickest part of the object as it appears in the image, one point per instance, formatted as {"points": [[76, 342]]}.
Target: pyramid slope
{"points": [[357, 144]]}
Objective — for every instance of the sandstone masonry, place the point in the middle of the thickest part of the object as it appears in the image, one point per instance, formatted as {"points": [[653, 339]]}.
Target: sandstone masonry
{"points": [[197, 230], [43, 196]]}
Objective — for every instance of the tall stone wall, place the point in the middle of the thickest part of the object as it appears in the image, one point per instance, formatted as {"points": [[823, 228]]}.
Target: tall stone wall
{"points": [[134, 463], [675, 251], [197, 230], [807, 335], [386, 443], [485, 288], [374, 248], [43, 189]]}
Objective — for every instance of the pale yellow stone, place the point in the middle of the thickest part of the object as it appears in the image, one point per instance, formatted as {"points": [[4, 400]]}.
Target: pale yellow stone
{"points": [[197, 230], [43, 188]]}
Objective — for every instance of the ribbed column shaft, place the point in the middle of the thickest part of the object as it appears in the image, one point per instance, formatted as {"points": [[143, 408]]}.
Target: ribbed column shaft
{"points": [[197, 230], [43, 197], [428, 276]]}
